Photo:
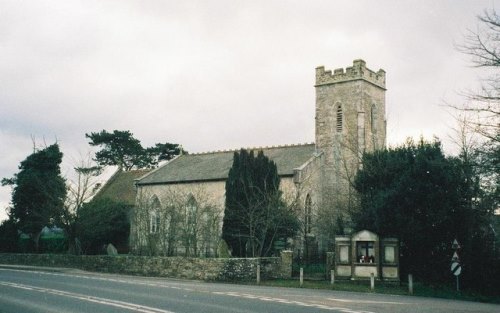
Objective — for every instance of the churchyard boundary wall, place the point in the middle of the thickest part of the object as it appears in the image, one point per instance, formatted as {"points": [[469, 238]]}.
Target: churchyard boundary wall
{"points": [[211, 269]]}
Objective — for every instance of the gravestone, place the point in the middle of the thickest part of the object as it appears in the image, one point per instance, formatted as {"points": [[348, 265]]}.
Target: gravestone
{"points": [[111, 250]]}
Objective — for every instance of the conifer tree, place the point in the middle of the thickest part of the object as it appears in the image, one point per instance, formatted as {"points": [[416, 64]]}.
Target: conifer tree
{"points": [[39, 192], [254, 216], [123, 149]]}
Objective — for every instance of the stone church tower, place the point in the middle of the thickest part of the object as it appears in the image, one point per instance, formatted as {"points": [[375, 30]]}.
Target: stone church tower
{"points": [[350, 119]]}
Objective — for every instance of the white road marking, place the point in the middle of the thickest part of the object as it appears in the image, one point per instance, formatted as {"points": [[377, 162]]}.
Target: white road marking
{"points": [[366, 301], [229, 293], [115, 303], [278, 300]]}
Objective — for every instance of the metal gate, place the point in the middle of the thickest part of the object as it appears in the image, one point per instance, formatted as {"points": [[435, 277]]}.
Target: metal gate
{"points": [[310, 260]]}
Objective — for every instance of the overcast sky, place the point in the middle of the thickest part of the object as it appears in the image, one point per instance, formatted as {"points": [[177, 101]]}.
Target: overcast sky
{"points": [[216, 75]]}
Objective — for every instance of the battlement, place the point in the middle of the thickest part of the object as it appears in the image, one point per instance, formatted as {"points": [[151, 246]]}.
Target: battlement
{"points": [[357, 71]]}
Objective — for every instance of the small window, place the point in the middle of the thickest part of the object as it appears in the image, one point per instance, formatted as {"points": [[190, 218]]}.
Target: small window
{"points": [[339, 118], [308, 215], [365, 251], [389, 255], [344, 254]]}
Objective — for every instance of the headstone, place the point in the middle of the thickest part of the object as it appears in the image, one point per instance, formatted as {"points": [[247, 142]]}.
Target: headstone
{"points": [[223, 250], [111, 250]]}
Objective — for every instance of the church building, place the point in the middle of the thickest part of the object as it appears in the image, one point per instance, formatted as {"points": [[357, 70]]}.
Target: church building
{"points": [[180, 205]]}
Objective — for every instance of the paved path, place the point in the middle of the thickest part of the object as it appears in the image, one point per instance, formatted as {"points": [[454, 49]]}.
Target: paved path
{"points": [[33, 290]]}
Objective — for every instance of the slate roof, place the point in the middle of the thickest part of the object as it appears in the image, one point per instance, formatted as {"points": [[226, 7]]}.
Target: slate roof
{"points": [[213, 166], [120, 187]]}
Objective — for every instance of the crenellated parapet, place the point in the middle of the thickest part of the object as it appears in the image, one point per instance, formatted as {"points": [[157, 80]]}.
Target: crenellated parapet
{"points": [[357, 71]]}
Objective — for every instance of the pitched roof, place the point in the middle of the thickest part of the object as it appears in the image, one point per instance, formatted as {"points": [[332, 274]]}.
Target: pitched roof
{"points": [[120, 187], [212, 166]]}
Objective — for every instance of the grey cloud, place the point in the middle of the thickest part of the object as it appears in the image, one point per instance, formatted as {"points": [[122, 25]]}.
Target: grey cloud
{"points": [[218, 74]]}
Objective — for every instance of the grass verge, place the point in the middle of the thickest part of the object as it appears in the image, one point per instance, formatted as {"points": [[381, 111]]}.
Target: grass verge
{"points": [[419, 289]]}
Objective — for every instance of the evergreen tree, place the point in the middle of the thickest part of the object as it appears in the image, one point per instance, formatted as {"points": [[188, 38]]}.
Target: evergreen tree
{"points": [[103, 221], [122, 149], [39, 192], [10, 237], [119, 148], [255, 215], [427, 200]]}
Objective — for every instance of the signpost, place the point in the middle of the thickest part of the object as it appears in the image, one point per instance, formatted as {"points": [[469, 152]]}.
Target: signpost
{"points": [[456, 268]]}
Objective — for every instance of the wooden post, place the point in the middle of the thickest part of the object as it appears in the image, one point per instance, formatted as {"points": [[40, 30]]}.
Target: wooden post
{"points": [[258, 274], [372, 281], [332, 277], [410, 284], [301, 276]]}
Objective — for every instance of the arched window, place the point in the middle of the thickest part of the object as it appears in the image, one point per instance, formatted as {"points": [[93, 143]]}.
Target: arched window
{"points": [[339, 118], [154, 216], [373, 117], [191, 210], [308, 215]]}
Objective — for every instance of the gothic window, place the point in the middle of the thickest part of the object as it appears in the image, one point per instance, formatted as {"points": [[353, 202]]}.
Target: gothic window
{"points": [[191, 210], [339, 118], [308, 215], [154, 216], [154, 222]]}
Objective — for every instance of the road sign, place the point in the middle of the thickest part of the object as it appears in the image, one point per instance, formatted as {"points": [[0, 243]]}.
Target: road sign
{"points": [[456, 269]]}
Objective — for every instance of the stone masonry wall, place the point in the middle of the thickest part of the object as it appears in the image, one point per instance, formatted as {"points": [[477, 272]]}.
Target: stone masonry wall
{"points": [[207, 194], [350, 119], [230, 269]]}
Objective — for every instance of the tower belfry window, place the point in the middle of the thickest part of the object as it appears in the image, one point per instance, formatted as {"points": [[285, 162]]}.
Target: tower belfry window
{"points": [[339, 118]]}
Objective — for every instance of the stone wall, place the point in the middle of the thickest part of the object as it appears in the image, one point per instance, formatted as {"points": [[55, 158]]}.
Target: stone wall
{"points": [[173, 204], [221, 269]]}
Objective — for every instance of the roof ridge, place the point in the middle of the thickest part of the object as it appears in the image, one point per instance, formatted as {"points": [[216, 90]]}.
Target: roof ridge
{"points": [[154, 170], [254, 148]]}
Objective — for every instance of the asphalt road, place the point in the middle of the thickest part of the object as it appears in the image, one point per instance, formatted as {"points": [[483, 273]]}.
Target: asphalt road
{"points": [[35, 290]]}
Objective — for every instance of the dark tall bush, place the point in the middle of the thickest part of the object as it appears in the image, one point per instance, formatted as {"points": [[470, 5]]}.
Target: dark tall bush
{"points": [[101, 222]]}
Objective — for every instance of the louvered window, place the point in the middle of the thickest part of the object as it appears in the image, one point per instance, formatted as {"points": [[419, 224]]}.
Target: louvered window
{"points": [[339, 119]]}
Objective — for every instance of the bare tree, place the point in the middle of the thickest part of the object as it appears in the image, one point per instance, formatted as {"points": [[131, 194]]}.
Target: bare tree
{"points": [[483, 45], [266, 220], [334, 218], [80, 189], [176, 222], [482, 109]]}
